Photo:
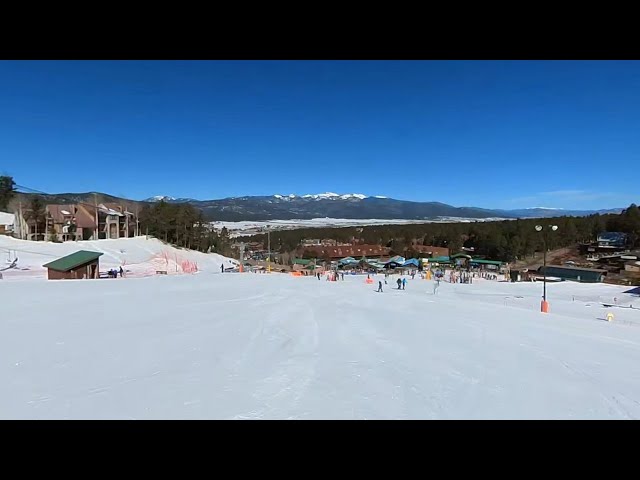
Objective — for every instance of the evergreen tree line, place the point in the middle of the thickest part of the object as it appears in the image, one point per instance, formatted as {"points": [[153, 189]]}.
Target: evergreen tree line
{"points": [[183, 225], [506, 240]]}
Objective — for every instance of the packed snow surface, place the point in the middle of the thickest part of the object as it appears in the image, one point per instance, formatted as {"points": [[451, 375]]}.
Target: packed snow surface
{"points": [[260, 346]]}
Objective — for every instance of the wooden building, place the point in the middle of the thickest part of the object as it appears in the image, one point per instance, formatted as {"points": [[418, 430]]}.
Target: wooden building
{"points": [[579, 274], [79, 265]]}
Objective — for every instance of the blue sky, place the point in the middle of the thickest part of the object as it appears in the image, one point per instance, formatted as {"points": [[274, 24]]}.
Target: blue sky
{"points": [[499, 134]]}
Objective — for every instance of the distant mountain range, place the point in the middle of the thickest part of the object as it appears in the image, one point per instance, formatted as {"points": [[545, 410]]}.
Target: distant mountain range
{"points": [[322, 205], [352, 206], [541, 212]]}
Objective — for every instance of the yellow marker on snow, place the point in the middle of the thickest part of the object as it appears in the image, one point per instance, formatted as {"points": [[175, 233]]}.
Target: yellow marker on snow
{"points": [[609, 317]]}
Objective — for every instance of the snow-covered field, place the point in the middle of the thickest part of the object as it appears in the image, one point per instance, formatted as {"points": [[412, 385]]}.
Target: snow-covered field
{"points": [[238, 346], [237, 229], [139, 257]]}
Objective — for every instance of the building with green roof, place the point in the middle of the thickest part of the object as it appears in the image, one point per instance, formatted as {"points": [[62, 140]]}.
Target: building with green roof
{"points": [[79, 265]]}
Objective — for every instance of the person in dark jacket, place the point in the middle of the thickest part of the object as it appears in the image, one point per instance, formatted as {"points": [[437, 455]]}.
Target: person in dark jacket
{"points": [[221, 268], [399, 283], [379, 286], [121, 271]]}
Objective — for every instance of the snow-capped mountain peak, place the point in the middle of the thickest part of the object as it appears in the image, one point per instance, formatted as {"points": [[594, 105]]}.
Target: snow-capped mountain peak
{"points": [[285, 197], [159, 198], [324, 196], [335, 196], [543, 208]]}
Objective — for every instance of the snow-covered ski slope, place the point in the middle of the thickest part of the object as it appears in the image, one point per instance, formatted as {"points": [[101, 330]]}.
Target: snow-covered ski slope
{"points": [[140, 256], [252, 346]]}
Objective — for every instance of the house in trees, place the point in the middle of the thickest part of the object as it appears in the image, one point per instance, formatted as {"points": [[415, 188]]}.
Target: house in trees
{"points": [[609, 242], [612, 240]]}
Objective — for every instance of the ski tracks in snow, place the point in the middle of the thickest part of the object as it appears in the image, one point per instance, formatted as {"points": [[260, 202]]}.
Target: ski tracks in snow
{"points": [[613, 400], [291, 337]]}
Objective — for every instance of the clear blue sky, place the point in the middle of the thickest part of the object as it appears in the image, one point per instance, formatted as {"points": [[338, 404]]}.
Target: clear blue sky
{"points": [[502, 134]]}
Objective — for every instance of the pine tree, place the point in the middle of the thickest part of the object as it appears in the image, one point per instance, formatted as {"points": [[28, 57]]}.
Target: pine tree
{"points": [[7, 192], [36, 212]]}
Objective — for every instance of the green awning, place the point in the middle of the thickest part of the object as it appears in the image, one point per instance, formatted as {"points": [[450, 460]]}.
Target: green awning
{"points": [[487, 262], [301, 261], [438, 260]]}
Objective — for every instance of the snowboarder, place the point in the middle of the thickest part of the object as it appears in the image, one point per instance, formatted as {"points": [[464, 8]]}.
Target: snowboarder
{"points": [[404, 283], [399, 282], [379, 286]]}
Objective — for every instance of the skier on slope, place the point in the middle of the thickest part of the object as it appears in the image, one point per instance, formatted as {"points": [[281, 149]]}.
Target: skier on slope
{"points": [[222, 268], [404, 283], [379, 286], [399, 282]]}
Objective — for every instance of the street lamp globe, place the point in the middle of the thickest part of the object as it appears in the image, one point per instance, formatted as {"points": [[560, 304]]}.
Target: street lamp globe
{"points": [[554, 227], [538, 228]]}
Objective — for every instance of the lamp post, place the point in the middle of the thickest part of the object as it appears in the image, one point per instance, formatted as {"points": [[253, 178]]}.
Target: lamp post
{"points": [[242, 247], [269, 249], [544, 306]]}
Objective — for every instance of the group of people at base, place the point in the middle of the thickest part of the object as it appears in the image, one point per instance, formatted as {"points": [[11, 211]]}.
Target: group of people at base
{"points": [[113, 273]]}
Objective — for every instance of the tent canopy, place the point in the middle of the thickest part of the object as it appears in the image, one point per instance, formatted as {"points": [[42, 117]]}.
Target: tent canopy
{"points": [[411, 262]]}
